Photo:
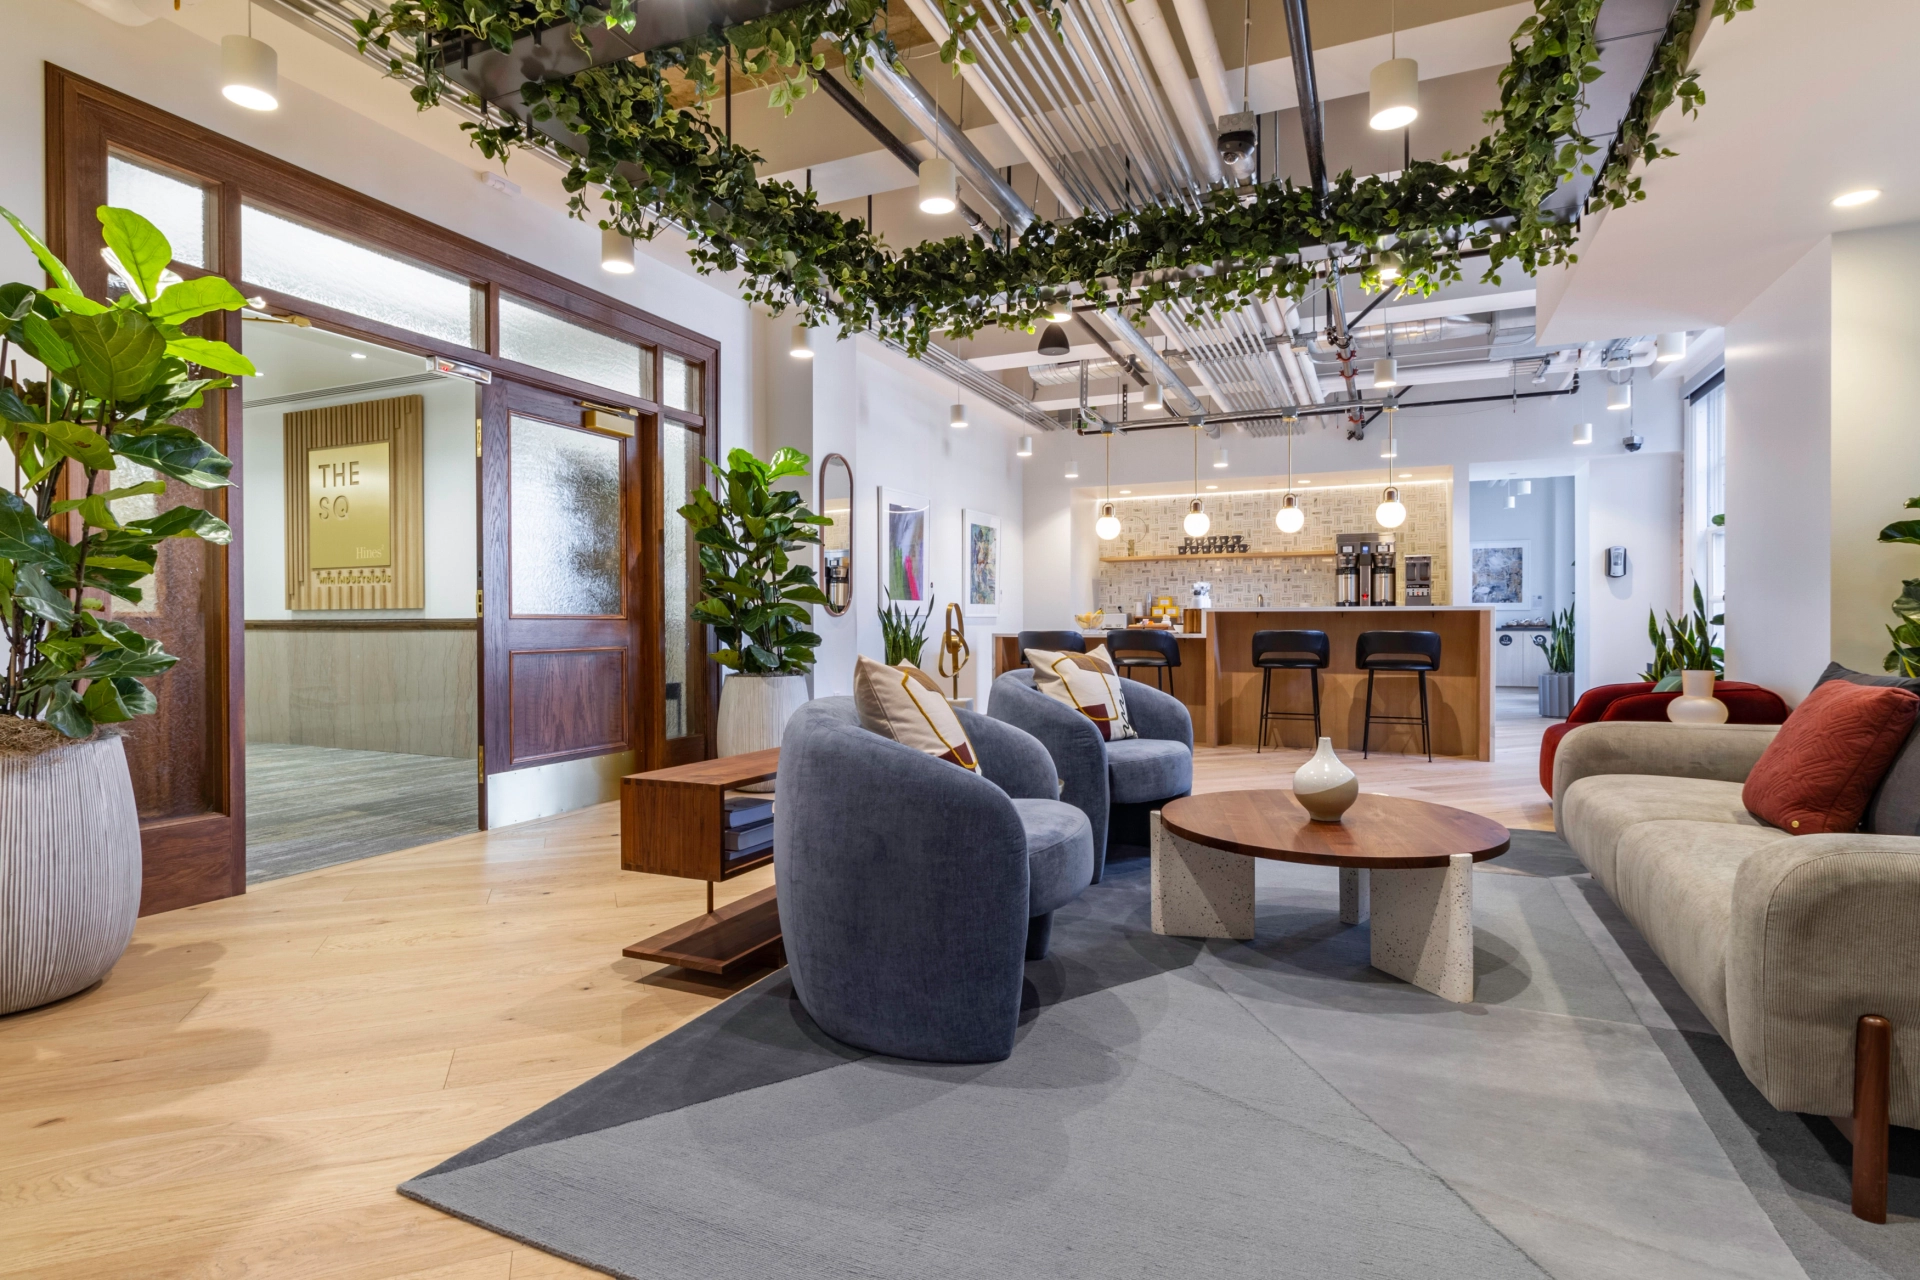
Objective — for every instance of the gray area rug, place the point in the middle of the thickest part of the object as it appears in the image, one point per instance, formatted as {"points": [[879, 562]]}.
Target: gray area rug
{"points": [[1177, 1107], [312, 807]]}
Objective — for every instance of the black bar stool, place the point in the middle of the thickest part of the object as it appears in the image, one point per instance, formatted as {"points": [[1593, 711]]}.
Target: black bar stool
{"points": [[1138, 648], [1057, 641], [1273, 651], [1415, 651]]}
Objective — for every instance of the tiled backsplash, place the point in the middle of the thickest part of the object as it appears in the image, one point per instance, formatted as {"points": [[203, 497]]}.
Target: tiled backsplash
{"points": [[1151, 527]]}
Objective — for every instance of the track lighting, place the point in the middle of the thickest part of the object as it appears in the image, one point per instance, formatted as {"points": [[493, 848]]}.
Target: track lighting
{"points": [[1866, 195], [1386, 373], [1053, 341], [1390, 513], [1026, 448], [958, 418], [1670, 347], [939, 186], [801, 348], [1219, 457], [1583, 434], [1289, 518], [1108, 525], [249, 71], [616, 252], [1394, 94], [1196, 524], [1620, 396]]}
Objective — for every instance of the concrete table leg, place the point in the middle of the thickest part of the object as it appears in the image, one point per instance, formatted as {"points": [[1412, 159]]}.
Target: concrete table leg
{"points": [[1199, 892], [1423, 927], [1353, 895]]}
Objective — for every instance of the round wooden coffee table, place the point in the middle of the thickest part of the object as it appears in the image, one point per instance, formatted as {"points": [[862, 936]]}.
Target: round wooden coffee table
{"points": [[1407, 863]]}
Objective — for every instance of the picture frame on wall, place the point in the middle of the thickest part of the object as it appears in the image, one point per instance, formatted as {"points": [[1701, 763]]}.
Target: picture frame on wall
{"points": [[903, 547], [981, 552], [1500, 570]]}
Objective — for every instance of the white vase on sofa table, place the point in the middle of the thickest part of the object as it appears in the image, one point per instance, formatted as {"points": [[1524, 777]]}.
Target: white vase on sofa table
{"points": [[1324, 786], [1696, 703], [754, 711]]}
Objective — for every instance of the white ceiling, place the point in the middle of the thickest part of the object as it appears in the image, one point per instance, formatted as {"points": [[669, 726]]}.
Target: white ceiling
{"points": [[293, 360], [1803, 102]]}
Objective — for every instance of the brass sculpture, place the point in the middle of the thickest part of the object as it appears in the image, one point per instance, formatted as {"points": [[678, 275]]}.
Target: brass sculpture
{"points": [[954, 647]]}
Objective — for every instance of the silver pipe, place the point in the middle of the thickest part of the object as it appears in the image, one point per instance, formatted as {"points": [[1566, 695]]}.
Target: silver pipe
{"points": [[1151, 22], [1089, 156], [1136, 93], [912, 100], [993, 53], [1156, 363], [1097, 104]]}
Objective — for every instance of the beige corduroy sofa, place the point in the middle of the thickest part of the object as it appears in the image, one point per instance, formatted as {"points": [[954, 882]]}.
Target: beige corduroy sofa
{"points": [[1785, 942]]}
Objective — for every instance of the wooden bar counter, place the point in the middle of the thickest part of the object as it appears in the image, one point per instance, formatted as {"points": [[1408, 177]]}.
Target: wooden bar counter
{"points": [[1220, 685]]}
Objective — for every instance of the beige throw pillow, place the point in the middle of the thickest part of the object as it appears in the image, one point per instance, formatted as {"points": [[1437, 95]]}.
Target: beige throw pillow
{"points": [[1099, 654], [902, 703], [1085, 683]]}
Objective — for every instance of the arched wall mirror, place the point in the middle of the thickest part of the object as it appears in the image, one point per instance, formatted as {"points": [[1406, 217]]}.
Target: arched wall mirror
{"points": [[836, 539]]}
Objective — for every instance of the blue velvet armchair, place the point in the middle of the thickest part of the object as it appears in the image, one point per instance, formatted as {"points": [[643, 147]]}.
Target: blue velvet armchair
{"points": [[1099, 775], [911, 890]]}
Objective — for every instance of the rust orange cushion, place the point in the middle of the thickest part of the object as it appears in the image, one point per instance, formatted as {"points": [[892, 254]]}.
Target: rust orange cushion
{"points": [[1820, 770]]}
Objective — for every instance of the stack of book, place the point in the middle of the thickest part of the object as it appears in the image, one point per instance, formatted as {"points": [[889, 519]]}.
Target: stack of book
{"points": [[749, 827]]}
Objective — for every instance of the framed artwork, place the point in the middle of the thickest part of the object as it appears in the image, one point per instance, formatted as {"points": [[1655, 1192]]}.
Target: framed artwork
{"points": [[980, 544], [903, 547], [1500, 572]]}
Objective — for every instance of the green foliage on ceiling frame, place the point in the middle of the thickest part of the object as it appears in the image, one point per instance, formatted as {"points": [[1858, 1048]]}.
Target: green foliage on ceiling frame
{"points": [[657, 165]]}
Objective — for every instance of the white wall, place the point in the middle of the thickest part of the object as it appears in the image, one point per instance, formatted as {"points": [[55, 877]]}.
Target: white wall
{"points": [[1634, 502], [1543, 519], [452, 543], [1780, 480]]}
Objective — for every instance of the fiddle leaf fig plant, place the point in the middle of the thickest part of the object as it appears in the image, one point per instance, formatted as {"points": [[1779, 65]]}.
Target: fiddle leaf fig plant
{"points": [[754, 595], [93, 441]]}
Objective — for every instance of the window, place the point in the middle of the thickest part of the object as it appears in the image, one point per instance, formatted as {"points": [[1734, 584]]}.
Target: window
{"points": [[292, 258], [680, 383], [176, 206], [1707, 495], [545, 341]]}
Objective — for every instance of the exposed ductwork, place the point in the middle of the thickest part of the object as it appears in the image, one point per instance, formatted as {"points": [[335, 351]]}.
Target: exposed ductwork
{"points": [[1151, 23]]}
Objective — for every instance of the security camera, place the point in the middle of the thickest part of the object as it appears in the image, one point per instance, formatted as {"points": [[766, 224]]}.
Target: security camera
{"points": [[1237, 144], [1633, 443]]}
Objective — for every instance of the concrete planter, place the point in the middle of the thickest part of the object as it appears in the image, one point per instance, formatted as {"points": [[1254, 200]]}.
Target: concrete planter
{"points": [[69, 870], [1556, 695]]}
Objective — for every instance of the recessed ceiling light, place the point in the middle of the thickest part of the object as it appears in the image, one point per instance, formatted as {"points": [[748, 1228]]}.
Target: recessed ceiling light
{"points": [[1213, 486], [358, 355], [1406, 475], [1865, 195], [1125, 492], [1304, 480]]}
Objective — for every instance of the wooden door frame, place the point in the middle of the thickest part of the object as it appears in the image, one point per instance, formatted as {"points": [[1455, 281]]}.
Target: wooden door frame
{"points": [[85, 121]]}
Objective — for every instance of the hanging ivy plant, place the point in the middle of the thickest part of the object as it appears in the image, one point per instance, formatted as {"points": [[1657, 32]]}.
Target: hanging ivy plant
{"points": [[657, 165]]}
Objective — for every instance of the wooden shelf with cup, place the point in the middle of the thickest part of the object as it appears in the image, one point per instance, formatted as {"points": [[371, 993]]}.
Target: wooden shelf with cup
{"points": [[1222, 555]]}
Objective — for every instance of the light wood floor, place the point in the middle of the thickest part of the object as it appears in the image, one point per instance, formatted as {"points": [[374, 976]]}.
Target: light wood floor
{"points": [[241, 1095]]}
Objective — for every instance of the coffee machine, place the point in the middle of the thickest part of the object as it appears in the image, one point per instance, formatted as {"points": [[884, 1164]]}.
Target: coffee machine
{"points": [[1363, 572], [1417, 571]]}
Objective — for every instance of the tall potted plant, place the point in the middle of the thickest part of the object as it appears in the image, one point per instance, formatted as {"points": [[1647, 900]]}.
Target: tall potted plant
{"points": [[1556, 687], [754, 594], [95, 432]]}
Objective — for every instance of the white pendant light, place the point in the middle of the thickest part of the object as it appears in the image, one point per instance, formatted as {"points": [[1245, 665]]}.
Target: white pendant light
{"points": [[1393, 98], [939, 186], [801, 346], [1196, 524], [1073, 469], [1219, 457], [1390, 513], [1386, 373], [1026, 448], [1108, 525], [1669, 347], [1289, 518], [249, 70], [1061, 310], [958, 418], [616, 252], [1388, 265], [1523, 487], [1583, 434], [1155, 401], [1512, 502], [1620, 396]]}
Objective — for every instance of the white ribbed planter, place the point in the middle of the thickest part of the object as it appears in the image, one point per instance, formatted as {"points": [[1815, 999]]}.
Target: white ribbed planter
{"points": [[754, 711], [69, 870]]}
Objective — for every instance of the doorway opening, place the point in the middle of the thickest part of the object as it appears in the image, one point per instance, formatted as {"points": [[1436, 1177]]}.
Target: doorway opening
{"points": [[1522, 530], [359, 503]]}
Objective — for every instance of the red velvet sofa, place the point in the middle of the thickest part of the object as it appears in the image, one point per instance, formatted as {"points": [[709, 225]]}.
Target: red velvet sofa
{"points": [[1746, 704]]}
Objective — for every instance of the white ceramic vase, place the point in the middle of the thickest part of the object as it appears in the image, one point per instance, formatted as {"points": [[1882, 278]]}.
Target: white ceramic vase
{"points": [[1324, 786], [754, 711], [1696, 703], [69, 869]]}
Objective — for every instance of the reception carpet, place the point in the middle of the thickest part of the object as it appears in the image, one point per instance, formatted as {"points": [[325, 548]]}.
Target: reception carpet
{"points": [[1177, 1108]]}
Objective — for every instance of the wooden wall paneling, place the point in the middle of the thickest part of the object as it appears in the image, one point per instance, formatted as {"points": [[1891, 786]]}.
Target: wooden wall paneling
{"points": [[400, 422], [361, 689], [567, 703]]}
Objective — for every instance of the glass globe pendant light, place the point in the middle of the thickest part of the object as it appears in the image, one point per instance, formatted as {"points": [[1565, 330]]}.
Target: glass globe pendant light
{"points": [[1108, 525], [1390, 514], [1196, 524], [1290, 518]]}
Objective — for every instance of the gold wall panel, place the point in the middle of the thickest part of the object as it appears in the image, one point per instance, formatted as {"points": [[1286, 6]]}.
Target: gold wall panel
{"points": [[334, 561]]}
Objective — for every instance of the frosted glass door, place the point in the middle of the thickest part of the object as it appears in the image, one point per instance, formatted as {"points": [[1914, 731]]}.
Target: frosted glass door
{"points": [[566, 512]]}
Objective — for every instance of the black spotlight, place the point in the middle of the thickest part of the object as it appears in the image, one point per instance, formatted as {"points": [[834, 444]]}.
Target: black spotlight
{"points": [[1053, 341]]}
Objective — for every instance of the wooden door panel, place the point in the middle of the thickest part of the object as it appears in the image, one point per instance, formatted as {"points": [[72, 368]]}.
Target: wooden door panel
{"points": [[566, 703]]}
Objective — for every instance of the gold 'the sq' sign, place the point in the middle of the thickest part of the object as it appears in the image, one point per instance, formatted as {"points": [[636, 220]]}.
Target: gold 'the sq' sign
{"points": [[349, 489]]}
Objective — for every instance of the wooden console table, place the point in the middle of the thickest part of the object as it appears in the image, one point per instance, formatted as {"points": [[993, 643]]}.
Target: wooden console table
{"points": [[671, 824]]}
